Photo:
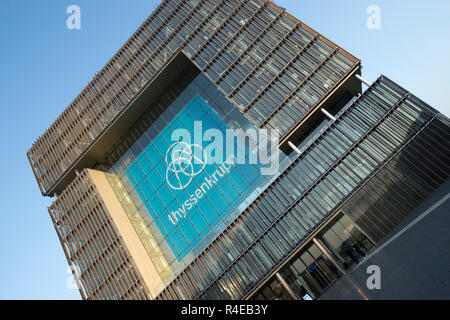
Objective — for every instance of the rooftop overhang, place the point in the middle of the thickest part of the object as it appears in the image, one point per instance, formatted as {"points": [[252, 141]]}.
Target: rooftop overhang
{"points": [[113, 132]]}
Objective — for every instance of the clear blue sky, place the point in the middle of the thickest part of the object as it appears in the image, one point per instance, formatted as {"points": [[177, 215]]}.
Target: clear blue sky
{"points": [[44, 66]]}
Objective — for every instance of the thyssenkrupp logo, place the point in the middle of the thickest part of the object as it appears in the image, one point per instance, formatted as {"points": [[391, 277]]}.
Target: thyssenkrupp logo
{"points": [[184, 161]]}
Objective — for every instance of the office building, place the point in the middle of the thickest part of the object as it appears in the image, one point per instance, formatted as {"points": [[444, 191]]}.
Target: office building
{"points": [[138, 218]]}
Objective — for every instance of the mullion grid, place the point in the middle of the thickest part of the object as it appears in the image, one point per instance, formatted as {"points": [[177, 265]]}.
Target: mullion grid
{"points": [[321, 186], [120, 278]]}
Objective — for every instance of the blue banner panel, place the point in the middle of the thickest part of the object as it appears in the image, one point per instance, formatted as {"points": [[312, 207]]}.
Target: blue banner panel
{"points": [[186, 194]]}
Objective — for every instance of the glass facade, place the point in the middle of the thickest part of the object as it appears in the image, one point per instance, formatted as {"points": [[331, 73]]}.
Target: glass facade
{"points": [[215, 228], [185, 203], [344, 156], [95, 250], [273, 67], [370, 214], [315, 268]]}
